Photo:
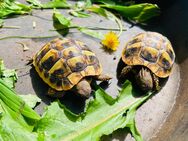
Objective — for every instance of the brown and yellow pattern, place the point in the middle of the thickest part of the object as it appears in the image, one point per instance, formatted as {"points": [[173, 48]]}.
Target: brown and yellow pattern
{"points": [[152, 50], [62, 63]]}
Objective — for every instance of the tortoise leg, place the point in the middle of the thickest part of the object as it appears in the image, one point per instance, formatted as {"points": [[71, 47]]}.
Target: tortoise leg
{"points": [[53, 93], [144, 79], [156, 82], [125, 71], [103, 77]]}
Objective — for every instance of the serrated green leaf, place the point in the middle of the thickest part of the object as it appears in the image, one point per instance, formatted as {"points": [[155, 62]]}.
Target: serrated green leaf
{"points": [[103, 116], [137, 12], [56, 4]]}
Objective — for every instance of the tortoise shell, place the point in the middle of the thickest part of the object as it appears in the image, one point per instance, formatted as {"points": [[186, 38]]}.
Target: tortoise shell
{"points": [[62, 63], [152, 50]]}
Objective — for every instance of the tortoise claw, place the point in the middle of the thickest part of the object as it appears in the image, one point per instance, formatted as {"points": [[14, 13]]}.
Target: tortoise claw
{"points": [[156, 82], [103, 77], [125, 71]]}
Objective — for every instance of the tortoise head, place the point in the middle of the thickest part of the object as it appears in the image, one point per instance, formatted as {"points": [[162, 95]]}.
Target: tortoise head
{"points": [[144, 79], [84, 88]]}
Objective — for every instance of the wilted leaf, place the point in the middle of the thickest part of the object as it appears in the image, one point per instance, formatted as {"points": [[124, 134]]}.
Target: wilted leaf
{"points": [[56, 4]]}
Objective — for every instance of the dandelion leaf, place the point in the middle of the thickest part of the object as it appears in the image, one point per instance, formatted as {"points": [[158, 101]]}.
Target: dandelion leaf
{"points": [[103, 115]]}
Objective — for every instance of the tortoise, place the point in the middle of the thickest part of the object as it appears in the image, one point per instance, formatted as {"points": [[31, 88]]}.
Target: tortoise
{"points": [[149, 56], [67, 64]]}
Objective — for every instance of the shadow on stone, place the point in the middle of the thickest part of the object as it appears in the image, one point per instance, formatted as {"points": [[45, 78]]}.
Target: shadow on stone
{"points": [[71, 100], [119, 135]]}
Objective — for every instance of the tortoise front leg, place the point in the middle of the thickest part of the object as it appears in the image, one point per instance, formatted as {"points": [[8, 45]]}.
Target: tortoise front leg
{"points": [[125, 71], [103, 77], [156, 82]]}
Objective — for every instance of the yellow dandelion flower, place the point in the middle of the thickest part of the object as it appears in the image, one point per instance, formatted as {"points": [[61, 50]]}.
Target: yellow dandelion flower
{"points": [[110, 41]]}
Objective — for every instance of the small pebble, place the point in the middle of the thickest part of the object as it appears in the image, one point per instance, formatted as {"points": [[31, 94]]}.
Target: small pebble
{"points": [[34, 24], [100, 21]]}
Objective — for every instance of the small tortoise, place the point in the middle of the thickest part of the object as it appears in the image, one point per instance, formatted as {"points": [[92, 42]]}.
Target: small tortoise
{"points": [[66, 64], [149, 56]]}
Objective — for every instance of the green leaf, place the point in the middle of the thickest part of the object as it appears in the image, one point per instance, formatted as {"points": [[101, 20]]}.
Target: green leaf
{"points": [[138, 12], [92, 33], [35, 3], [79, 14], [16, 104], [78, 10], [11, 130], [30, 99], [103, 116], [56, 4], [111, 2], [99, 10], [88, 3], [27, 124], [9, 76], [61, 23], [107, 14], [11, 7]]}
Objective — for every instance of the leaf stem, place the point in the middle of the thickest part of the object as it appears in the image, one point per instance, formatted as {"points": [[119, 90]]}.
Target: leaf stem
{"points": [[92, 28], [28, 37], [11, 27]]}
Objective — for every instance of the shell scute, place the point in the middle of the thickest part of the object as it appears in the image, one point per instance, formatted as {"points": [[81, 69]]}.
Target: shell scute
{"points": [[149, 54], [76, 63]]}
